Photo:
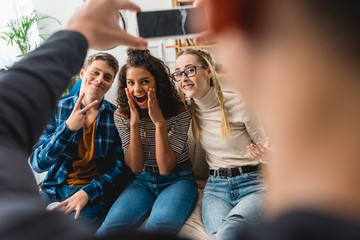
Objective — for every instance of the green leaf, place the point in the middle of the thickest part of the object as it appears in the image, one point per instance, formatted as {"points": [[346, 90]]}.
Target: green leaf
{"points": [[18, 31]]}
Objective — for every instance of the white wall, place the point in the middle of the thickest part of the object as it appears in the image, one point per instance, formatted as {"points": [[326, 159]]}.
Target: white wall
{"points": [[64, 9]]}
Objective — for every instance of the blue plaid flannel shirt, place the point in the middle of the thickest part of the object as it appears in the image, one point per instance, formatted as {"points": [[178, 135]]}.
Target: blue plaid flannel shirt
{"points": [[57, 146]]}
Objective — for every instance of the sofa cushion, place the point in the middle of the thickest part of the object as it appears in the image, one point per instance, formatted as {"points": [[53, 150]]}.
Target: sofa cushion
{"points": [[197, 158]]}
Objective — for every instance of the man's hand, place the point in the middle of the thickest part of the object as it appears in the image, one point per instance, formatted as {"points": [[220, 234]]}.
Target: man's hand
{"points": [[206, 37], [98, 21], [77, 117], [74, 203]]}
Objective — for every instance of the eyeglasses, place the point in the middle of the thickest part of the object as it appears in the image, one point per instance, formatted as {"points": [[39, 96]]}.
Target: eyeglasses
{"points": [[189, 72]]}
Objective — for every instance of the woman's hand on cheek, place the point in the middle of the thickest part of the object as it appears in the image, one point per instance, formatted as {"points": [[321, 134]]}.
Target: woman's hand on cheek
{"points": [[154, 109], [134, 114]]}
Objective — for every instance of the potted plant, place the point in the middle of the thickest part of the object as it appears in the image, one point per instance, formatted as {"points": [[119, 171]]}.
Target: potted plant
{"points": [[19, 31]]}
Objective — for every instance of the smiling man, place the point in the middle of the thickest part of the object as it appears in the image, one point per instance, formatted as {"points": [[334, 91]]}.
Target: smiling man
{"points": [[81, 149]]}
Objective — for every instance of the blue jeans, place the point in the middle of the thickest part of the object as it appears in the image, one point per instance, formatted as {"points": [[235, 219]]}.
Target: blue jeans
{"points": [[231, 203], [92, 214], [169, 200]]}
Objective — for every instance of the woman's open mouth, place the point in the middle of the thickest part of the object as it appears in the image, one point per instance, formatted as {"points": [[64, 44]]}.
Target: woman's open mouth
{"points": [[141, 99], [188, 86]]}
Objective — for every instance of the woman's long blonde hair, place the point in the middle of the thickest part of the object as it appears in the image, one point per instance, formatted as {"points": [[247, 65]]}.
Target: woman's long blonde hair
{"points": [[206, 59]]}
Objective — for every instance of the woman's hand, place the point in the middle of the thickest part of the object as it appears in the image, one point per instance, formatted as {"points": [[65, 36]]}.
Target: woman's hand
{"points": [[134, 113], [261, 151], [74, 203], [153, 107]]}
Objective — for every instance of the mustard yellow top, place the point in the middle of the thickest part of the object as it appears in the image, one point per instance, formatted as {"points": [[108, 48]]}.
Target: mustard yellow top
{"points": [[84, 168]]}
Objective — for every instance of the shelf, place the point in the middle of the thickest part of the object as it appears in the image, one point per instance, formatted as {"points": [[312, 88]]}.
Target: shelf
{"points": [[195, 46]]}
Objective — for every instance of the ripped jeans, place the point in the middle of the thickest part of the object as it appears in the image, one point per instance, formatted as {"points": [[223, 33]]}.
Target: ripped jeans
{"points": [[231, 203]]}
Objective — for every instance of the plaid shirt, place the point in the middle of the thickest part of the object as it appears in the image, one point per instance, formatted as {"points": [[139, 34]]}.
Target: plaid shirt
{"points": [[57, 147]]}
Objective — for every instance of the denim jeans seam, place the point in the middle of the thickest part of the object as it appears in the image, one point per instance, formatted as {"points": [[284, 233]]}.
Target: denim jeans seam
{"points": [[192, 205], [144, 216]]}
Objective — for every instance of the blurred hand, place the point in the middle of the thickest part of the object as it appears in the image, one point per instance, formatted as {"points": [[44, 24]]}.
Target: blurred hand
{"points": [[98, 21], [205, 37], [200, 3], [74, 203], [260, 151]]}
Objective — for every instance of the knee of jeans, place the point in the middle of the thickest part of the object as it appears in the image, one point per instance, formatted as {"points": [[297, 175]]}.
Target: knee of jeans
{"points": [[108, 229], [231, 227], [163, 227], [236, 218]]}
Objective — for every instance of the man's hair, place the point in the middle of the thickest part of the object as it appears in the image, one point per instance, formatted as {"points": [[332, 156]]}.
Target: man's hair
{"points": [[106, 57]]}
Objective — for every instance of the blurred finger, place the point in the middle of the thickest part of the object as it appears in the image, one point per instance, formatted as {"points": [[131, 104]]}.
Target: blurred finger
{"points": [[200, 3], [133, 42], [126, 5], [206, 37]]}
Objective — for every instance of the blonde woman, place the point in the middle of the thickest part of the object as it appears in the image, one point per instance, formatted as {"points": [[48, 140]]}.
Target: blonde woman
{"points": [[234, 190]]}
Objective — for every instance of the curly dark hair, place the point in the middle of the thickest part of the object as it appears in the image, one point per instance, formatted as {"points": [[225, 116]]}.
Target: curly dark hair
{"points": [[169, 100]]}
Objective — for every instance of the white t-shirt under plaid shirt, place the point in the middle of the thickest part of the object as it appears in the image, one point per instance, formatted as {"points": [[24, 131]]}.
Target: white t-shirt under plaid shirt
{"points": [[177, 128]]}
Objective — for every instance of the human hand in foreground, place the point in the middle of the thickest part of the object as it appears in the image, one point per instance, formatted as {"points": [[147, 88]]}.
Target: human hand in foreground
{"points": [[98, 21], [74, 203], [206, 37]]}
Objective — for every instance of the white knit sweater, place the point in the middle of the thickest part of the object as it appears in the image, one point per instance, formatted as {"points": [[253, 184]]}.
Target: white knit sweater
{"points": [[245, 130]]}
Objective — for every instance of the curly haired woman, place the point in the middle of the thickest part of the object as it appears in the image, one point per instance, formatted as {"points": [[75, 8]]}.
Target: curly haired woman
{"points": [[152, 123]]}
